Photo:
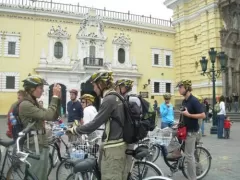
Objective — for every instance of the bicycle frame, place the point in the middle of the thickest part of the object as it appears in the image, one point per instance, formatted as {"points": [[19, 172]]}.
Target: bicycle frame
{"points": [[4, 162], [139, 173]]}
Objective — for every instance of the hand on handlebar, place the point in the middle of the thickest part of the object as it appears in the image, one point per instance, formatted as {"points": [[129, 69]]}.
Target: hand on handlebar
{"points": [[72, 130]]}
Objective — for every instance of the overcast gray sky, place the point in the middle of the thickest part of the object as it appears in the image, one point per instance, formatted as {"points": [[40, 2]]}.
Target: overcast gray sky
{"points": [[141, 7]]}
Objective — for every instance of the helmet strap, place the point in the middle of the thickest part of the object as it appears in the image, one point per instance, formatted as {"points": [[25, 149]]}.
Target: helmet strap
{"points": [[120, 89], [101, 90], [186, 92]]}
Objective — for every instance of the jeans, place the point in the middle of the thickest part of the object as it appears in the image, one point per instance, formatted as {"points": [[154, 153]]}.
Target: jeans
{"points": [[207, 118], [220, 119], [236, 106], [189, 155], [202, 127], [166, 124], [229, 107]]}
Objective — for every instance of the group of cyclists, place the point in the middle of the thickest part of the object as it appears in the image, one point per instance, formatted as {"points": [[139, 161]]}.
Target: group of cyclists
{"points": [[114, 163]]}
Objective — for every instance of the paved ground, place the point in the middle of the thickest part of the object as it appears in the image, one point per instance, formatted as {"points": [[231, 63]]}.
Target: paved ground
{"points": [[225, 155]]}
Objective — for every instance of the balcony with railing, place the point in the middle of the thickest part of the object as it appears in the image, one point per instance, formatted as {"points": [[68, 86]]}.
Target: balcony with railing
{"points": [[90, 61], [77, 10]]}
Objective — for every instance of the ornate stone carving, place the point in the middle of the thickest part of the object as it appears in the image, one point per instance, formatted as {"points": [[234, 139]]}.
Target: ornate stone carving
{"points": [[59, 33], [91, 27], [122, 39], [230, 40]]}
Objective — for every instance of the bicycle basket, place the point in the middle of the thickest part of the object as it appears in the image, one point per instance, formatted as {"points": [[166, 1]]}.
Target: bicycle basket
{"points": [[161, 136]]}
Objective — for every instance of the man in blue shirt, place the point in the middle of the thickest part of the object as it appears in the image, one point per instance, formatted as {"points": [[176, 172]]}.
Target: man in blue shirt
{"points": [[74, 108], [166, 110]]}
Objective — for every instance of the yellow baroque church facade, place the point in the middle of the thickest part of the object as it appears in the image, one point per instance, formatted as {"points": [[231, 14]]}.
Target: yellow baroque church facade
{"points": [[67, 43], [197, 25]]}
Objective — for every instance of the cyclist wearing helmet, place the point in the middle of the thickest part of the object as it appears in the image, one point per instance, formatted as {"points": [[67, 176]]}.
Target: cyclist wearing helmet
{"points": [[166, 110], [30, 111], [124, 86], [111, 113], [74, 108], [193, 111], [89, 111]]}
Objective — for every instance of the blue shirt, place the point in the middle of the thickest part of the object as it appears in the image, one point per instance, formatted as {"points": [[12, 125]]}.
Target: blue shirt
{"points": [[167, 113], [75, 111]]}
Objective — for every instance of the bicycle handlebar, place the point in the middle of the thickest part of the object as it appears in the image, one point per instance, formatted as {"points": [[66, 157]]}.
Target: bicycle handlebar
{"points": [[22, 155]]}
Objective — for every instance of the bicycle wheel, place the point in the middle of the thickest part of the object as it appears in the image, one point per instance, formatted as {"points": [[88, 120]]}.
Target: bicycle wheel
{"points": [[54, 154], [50, 163], [64, 169], [154, 151], [16, 172], [144, 169], [203, 159], [83, 176], [0, 155], [157, 178]]}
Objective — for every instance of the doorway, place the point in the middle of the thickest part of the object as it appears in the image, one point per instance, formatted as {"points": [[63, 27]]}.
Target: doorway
{"points": [[87, 88]]}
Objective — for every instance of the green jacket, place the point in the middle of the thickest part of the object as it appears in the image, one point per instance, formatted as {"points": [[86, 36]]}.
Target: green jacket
{"points": [[30, 111]]}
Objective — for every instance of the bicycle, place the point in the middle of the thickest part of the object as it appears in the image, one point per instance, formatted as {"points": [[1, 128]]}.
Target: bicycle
{"points": [[22, 157], [89, 147], [55, 143], [157, 178], [7, 144], [179, 163], [88, 168]]}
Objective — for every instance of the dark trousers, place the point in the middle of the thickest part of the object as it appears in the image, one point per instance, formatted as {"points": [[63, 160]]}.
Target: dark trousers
{"points": [[227, 133], [220, 125]]}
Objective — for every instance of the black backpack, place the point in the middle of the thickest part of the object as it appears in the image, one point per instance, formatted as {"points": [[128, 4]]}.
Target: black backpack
{"points": [[137, 122]]}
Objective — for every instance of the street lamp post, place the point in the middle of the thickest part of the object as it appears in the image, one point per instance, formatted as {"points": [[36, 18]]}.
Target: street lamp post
{"points": [[213, 74]]}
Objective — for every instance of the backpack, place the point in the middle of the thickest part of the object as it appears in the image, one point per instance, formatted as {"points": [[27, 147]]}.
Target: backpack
{"points": [[18, 127], [217, 108], [137, 122]]}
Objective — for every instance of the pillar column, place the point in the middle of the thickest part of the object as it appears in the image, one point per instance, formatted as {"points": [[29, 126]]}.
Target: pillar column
{"points": [[230, 88]]}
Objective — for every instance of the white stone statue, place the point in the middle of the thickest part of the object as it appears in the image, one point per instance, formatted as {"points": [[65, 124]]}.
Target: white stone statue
{"points": [[235, 21]]}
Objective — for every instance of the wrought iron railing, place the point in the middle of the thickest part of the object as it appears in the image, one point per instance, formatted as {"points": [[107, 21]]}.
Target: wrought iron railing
{"points": [[89, 61], [81, 10]]}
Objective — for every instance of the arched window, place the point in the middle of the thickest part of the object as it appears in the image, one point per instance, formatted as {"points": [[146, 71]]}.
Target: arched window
{"points": [[92, 51], [58, 50], [121, 55]]}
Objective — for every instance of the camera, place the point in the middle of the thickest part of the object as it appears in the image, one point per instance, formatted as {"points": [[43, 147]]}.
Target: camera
{"points": [[182, 108]]}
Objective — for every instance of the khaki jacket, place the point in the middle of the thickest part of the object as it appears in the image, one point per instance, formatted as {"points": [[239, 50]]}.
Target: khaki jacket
{"points": [[30, 111]]}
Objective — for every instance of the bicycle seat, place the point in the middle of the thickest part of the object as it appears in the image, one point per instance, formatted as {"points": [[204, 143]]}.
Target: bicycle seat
{"points": [[6, 143], [139, 153], [73, 162], [85, 165]]}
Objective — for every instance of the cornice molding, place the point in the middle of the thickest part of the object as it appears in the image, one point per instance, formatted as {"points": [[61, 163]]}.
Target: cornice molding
{"points": [[171, 4], [139, 25], [196, 14]]}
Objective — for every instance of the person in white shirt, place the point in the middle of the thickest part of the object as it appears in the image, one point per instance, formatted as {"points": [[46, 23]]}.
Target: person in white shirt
{"points": [[89, 113], [221, 116]]}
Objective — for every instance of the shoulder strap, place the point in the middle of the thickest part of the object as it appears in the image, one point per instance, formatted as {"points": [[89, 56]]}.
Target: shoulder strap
{"points": [[127, 113], [16, 109], [118, 95]]}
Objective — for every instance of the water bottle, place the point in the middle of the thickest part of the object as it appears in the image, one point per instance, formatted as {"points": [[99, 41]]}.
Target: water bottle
{"points": [[79, 154], [13, 119]]}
